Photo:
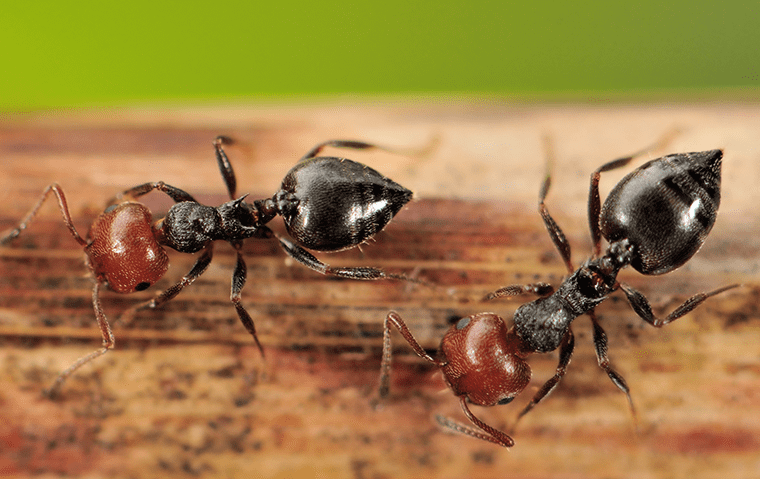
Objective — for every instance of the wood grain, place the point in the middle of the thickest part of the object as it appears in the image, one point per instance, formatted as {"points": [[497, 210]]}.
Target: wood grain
{"points": [[185, 392]]}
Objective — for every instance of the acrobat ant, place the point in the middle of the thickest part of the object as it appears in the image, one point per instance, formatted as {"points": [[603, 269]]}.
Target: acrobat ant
{"points": [[327, 203], [655, 220]]}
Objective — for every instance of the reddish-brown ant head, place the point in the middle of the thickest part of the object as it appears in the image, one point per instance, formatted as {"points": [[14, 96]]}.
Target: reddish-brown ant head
{"points": [[483, 360], [123, 251]]}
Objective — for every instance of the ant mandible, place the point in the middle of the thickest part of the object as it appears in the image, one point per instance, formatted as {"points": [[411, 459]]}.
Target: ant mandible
{"points": [[327, 204], [655, 220]]}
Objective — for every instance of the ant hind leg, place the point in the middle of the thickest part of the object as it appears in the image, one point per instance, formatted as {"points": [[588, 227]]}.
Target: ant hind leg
{"points": [[555, 232], [594, 201], [641, 306], [360, 145], [362, 272]]}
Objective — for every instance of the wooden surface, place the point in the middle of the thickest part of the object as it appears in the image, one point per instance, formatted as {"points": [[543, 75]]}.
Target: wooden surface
{"points": [[186, 394]]}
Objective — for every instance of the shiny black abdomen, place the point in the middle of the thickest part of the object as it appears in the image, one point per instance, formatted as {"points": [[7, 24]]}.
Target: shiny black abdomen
{"points": [[665, 208], [331, 204]]}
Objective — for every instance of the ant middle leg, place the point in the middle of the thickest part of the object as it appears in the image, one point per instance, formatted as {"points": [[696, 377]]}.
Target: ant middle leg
{"points": [[642, 308], [198, 269], [600, 346], [565, 354], [238, 281], [225, 167]]}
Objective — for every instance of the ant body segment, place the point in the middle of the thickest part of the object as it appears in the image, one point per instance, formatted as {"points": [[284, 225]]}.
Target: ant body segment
{"points": [[655, 219], [327, 204]]}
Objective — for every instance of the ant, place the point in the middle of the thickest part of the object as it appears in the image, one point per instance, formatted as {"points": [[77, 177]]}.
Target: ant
{"points": [[655, 220], [327, 204]]}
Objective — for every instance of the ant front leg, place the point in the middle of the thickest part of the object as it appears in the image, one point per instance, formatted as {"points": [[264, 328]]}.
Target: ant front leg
{"points": [[238, 281], [539, 289], [198, 269], [565, 353], [641, 306], [62, 205], [394, 319], [172, 192], [108, 343], [492, 434]]}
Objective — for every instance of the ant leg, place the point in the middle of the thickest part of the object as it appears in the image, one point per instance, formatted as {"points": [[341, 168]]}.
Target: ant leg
{"points": [[555, 232], [363, 272], [594, 202], [360, 145], [172, 192], [225, 167], [641, 306], [494, 435], [394, 319], [539, 289], [565, 353], [108, 343], [354, 145], [600, 345], [238, 281], [62, 205], [198, 269]]}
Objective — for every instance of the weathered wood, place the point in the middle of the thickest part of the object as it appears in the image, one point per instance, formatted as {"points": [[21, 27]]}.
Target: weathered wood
{"points": [[186, 392]]}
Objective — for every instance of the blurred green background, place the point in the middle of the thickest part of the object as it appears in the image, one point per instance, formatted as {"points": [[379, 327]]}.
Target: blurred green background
{"points": [[67, 54]]}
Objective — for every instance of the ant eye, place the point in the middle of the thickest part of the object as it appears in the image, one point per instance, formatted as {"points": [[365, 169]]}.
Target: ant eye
{"points": [[505, 401], [463, 323], [142, 286]]}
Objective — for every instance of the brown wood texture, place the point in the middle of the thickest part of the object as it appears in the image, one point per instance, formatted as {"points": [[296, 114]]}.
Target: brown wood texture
{"points": [[186, 394]]}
